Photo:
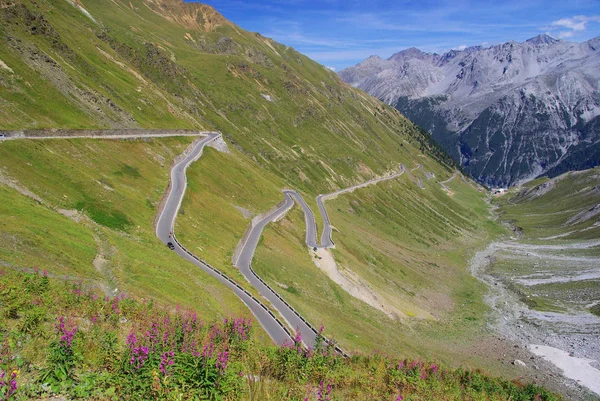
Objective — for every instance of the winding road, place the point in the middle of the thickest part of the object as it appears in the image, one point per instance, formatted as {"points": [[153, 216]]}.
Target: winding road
{"points": [[165, 223], [164, 231], [244, 261], [468, 182], [273, 326], [309, 217]]}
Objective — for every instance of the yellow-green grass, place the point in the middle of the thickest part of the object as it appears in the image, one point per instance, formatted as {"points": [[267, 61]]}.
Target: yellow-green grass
{"points": [[317, 133], [547, 215], [209, 224], [118, 184], [34, 236], [417, 254], [390, 235], [48, 99]]}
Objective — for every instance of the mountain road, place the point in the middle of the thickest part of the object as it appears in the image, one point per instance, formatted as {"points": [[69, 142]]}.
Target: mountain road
{"points": [[164, 231]]}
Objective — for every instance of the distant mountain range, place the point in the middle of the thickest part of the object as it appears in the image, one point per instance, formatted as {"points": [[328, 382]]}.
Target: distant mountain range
{"points": [[508, 113]]}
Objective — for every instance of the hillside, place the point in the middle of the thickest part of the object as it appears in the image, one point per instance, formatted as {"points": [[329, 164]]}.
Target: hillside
{"points": [[507, 113], [563, 214], [129, 350], [129, 66], [83, 208]]}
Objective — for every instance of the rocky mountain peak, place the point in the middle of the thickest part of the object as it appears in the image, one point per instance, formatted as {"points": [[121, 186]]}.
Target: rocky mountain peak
{"points": [[594, 44], [372, 59], [508, 112], [408, 54], [194, 16], [542, 39]]}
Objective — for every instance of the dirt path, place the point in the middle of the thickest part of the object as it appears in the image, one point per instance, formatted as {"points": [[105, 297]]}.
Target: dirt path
{"points": [[347, 279], [352, 283]]}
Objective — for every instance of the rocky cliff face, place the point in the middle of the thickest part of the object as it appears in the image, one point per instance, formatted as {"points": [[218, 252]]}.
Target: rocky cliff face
{"points": [[507, 113]]}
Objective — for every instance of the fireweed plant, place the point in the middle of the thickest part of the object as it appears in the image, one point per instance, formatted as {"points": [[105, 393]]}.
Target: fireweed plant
{"points": [[8, 372], [59, 336]]}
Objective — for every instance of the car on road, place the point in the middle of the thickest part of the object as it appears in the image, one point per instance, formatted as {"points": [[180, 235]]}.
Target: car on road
{"points": [[170, 245]]}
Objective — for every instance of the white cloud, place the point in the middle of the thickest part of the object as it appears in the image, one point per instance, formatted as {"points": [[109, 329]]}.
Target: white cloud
{"points": [[461, 47], [330, 68], [565, 34], [577, 23], [572, 25]]}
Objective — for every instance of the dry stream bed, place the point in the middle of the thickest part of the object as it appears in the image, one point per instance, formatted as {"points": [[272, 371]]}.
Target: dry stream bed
{"points": [[541, 294]]}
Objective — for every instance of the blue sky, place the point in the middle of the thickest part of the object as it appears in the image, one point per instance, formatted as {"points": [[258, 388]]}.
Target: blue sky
{"points": [[341, 33]]}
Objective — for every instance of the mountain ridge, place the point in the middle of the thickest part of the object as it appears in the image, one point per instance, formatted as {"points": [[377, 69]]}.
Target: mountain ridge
{"points": [[540, 91], [191, 15]]}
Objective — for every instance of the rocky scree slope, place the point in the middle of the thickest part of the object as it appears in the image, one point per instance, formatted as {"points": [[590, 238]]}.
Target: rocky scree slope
{"points": [[507, 113]]}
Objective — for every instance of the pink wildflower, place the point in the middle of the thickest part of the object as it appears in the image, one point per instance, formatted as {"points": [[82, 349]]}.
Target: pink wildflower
{"points": [[222, 361]]}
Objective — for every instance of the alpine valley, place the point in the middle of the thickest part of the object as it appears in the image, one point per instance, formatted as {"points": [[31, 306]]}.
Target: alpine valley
{"points": [[193, 211]]}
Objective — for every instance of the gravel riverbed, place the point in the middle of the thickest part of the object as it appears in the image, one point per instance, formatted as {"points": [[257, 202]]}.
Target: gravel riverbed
{"points": [[576, 334]]}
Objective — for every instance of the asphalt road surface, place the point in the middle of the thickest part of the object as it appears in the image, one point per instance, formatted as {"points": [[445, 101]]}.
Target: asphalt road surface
{"points": [[279, 332], [276, 329], [309, 217], [244, 265], [164, 230]]}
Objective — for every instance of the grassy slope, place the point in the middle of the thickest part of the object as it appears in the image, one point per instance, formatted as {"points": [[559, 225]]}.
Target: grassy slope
{"points": [[108, 335], [418, 266], [118, 184], [145, 65], [210, 224], [543, 217], [316, 135], [394, 240], [29, 240], [409, 269], [547, 215]]}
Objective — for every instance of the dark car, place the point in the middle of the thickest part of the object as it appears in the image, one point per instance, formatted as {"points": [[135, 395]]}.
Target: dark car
{"points": [[170, 245]]}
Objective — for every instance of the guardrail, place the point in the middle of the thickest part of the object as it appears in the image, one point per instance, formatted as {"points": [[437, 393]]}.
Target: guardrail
{"points": [[223, 275], [234, 283], [336, 347], [325, 216], [242, 242], [246, 292]]}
